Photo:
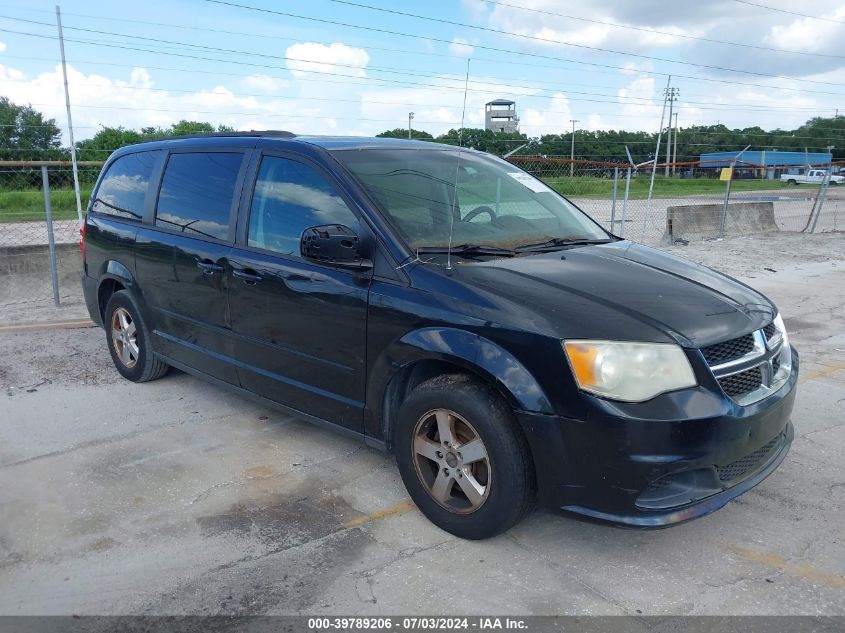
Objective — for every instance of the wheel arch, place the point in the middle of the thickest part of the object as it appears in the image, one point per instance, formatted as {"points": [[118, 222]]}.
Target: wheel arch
{"points": [[113, 277], [428, 352]]}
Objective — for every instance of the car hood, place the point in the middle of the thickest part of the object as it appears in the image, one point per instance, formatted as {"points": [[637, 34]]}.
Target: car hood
{"points": [[623, 291]]}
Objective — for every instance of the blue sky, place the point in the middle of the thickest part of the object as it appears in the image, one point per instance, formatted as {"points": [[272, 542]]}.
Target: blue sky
{"points": [[602, 62]]}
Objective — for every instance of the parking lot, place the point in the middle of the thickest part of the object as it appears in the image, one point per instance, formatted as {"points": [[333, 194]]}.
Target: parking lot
{"points": [[173, 497]]}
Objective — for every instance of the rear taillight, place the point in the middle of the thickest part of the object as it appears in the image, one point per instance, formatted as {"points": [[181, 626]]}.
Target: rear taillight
{"points": [[82, 241]]}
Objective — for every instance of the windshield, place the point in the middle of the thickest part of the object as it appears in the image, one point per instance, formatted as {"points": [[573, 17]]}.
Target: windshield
{"points": [[495, 204]]}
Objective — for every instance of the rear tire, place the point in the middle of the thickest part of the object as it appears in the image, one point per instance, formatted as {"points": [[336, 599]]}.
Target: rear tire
{"points": [[463, 458], [129, 340]]}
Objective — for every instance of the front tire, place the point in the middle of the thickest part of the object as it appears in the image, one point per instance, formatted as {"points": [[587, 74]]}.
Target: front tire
{"points": [[463, 458], [129, 340]]}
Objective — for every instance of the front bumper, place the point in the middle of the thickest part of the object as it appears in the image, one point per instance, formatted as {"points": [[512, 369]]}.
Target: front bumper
{"points": [[654, 464]]}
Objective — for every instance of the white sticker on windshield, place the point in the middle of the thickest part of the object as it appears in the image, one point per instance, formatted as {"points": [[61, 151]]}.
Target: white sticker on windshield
{"points": [[528, 181]]}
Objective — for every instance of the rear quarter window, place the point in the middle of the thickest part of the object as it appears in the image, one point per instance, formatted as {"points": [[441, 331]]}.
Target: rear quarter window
{"points": [[124, 187], [197, 193]]}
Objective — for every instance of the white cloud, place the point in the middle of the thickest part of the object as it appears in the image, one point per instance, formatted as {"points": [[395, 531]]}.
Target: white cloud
{"points": [[639, 104], [461, 48], [133, 103], [633, 68], [11, 74], [549, 120], [337, 58], [809, 34], [595, 122], [264, 83], [549, 22], [140, 77], [2, 46], [353, 103]]}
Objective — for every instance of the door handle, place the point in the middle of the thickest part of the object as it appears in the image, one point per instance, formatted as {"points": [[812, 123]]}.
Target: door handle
{"points": [[208, 267], [248, 275]]}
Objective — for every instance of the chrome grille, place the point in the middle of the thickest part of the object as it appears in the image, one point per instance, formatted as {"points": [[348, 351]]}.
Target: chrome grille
{"points": [[743, 382], [747, 367], [728, 350], [769, 331], [750, 462]]}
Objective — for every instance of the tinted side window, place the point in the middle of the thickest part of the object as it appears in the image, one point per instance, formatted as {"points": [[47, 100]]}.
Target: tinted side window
{"points": [[124, 187], [197, 192], [289, 197]]}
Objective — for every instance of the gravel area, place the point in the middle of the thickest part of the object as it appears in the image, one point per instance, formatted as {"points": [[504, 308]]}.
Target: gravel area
{"points": [[174, 497], [756, 256]]}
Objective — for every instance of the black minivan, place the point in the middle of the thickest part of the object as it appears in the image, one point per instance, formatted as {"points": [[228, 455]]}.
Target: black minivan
{"points": [[442, 304]]}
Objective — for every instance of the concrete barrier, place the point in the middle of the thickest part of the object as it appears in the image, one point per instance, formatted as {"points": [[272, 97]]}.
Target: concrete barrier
{"points": [[701, 221], [25, 272]]}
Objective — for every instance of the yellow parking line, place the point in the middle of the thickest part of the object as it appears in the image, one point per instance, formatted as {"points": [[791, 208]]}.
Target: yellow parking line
{"points": [[801, 570], [399, 508], [46, 326], [822, 373]]}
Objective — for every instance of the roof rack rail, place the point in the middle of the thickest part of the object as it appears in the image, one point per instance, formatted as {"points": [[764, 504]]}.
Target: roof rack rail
{"points": [[269, 133]]}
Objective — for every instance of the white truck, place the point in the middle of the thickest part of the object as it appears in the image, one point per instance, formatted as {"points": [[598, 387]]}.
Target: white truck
{"points": [[813, 176]]}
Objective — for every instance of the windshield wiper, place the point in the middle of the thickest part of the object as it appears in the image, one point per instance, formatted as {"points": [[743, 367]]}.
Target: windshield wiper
{"points": [[559, 242], [468, 250]]}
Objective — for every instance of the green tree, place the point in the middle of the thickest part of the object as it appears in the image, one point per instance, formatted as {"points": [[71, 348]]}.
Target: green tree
{"points": [[108, 139], [403, 133], [498, 143], [25, 134]]}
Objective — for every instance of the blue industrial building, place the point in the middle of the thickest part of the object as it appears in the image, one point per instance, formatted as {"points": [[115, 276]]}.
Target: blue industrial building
{"points": [[769, 164]]}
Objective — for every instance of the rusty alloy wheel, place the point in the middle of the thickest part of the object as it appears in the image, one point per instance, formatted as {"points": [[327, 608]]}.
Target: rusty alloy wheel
{"points": [[124, 336], [451, 461]]}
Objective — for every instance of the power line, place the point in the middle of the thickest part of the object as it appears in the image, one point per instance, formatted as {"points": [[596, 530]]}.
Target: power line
{"points": [[547, 40], [515, 52], [800, 15], [428, 53], [756, 108], [189, 110], [182, 45], [657, 32], [641, 101], [404, 71], [582, 96]]}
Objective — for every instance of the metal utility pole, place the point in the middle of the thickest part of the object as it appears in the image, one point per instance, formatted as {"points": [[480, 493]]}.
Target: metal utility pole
{"points": [[671, 96], [728, 192], [675, 148], [69, 119], [410, 118], [631, 166], [51, 242], [656, 155], [572, 150]]}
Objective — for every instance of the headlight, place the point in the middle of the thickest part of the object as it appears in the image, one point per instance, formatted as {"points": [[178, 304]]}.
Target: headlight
{"points": [[780, 329], [632, 372], [784, 356]]}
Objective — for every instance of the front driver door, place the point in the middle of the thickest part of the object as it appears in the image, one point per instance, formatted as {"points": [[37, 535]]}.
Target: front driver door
{"points": [[299, 326]]}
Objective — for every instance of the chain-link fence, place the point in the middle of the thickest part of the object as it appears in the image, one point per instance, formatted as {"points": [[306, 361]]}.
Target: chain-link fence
{"points": [[694, 203], [40, 258]]}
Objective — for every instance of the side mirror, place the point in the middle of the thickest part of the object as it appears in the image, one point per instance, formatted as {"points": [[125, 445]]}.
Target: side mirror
{"points": [[335, 245]]}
